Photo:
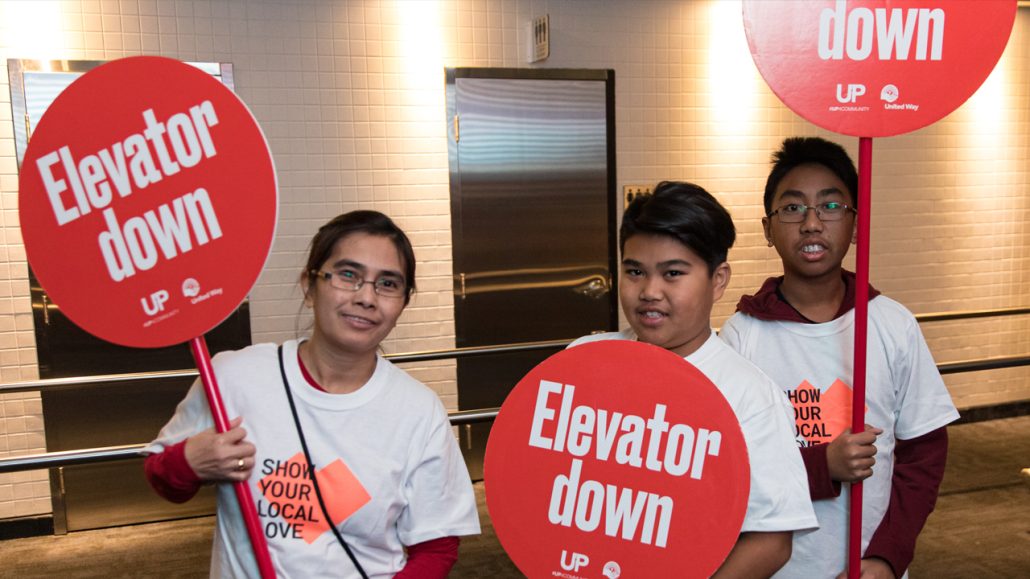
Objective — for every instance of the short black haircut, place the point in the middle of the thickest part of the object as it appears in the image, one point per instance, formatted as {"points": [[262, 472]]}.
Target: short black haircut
{"points": [[797, 151], [688, 214]]}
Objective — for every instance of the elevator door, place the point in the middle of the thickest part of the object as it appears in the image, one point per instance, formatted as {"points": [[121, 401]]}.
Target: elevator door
{"points": [[532, 199]]}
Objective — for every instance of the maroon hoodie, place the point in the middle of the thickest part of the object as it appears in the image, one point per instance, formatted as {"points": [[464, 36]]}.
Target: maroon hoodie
{"points": [[770, 305]]}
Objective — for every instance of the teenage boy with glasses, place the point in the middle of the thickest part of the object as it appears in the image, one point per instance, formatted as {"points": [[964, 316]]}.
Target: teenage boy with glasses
{"points": [[799, 329]]}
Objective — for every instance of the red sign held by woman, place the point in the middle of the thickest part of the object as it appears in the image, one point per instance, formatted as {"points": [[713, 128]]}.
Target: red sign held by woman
{"points": [[148, 201]]}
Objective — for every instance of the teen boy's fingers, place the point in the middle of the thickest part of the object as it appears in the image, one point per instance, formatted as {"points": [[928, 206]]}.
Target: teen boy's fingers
{"points": [[850, 457], [867, 436], [863, 443]]}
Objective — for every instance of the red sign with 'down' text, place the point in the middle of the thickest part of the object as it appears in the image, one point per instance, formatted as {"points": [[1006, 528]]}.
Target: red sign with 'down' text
{"points": [[148, 201], [616, 458], [875, 68]]}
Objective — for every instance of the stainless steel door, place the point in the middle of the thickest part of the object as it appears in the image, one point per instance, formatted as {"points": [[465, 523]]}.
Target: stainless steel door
{"points": [[532, 199]]}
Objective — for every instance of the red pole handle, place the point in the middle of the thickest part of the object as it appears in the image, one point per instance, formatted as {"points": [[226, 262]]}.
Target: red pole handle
{"points": [[865, 167], [214, 399]]}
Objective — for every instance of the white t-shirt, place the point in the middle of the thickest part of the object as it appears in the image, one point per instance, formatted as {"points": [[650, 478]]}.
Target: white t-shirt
{"points": [[779, 498], [388, 466], [813, 363]]}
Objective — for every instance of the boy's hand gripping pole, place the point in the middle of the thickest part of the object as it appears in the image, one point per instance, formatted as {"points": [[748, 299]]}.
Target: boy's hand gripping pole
{"points": [[214, 399], [865, 163]]}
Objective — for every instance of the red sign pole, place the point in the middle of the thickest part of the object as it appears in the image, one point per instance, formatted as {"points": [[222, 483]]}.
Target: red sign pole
{"points": [[865, 168], [214, 400]]}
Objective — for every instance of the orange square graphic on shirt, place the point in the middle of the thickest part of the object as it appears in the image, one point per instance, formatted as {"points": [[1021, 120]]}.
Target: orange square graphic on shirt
{"points": [[291, 496], [821, 416]]}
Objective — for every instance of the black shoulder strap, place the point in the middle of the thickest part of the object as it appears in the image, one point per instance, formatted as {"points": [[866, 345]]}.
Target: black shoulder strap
{"points": [[311, 468]]}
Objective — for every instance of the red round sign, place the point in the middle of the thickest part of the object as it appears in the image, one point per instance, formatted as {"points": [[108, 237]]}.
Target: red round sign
{"points": [[616, 458], [875, 68], [148, 201]]}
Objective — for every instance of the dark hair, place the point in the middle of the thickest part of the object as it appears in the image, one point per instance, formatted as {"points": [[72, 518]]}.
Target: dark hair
{"points": [[797, 151], [688, 214], [371, 223]]}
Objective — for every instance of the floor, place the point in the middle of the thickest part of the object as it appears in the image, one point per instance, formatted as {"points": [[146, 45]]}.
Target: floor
{"points": [[981, 527]]}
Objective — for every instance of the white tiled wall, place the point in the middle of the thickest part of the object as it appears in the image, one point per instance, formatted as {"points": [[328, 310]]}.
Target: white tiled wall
{"points": [[350, 96]]}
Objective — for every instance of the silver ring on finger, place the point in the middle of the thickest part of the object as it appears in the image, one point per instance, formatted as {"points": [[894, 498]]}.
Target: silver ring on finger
{"points": [[240, 465]]}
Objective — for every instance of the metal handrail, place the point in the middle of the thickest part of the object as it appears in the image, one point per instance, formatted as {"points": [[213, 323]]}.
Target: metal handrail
{"points": [[425, 356], [70, 457], [971, 314], [130, 451], [983, 364], [470, 351], [63, 383]]}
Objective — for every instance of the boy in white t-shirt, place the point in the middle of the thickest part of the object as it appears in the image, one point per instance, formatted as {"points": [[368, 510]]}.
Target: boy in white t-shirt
{"points": [[799, 328], [674, 245]]}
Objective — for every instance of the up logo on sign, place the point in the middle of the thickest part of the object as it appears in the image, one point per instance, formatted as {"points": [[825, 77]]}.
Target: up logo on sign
{"points": [[574, 561], [851, 92], [157, 302]]}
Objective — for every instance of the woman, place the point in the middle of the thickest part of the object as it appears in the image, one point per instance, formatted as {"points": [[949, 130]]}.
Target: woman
{"points": [[387, 466]]}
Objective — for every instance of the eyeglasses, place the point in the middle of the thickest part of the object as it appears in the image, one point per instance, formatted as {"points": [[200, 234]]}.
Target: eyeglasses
{"points": [[387, 287], [796, 212]]}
